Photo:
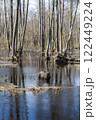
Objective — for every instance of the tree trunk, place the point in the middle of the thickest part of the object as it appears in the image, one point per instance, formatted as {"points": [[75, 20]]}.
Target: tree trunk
{"points": [[50, 30], [62, 25], [57, 6], [11, 20], [6, 26], [53, 29], [16, 29], [23, 12], [20, 52], [40, 23], [0, 24], [71, 11], [68, 41]]}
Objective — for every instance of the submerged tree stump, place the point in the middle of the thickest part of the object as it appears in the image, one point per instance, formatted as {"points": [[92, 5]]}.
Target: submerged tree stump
{"points": [[44, 75]]}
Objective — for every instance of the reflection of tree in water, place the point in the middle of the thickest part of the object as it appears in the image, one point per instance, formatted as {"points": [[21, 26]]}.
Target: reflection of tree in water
{"points": [[68, 69], [56, 77], [18, 104], [62, 75], [42, 107], [18, 107], [57, 106], [58, 74], [17, 76], [43, 66]]}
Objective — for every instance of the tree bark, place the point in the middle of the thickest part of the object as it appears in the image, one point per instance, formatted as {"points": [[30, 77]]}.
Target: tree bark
{"points": [[68, 41], [62, 25], [40, 23], [11, 20], [50, 30], [6, 25], [57, 6], [16, 29], [20, 52]]}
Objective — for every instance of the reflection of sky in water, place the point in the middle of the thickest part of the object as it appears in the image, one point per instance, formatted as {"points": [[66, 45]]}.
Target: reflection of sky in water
{"points": [[28, 75], [63, 105], [48, 105]]}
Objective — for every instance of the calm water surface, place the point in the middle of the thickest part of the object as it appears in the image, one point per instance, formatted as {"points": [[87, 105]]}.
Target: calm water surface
{"points": [[61, 105]]}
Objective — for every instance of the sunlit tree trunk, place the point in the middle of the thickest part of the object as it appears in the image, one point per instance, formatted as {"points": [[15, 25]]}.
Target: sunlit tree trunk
{"points": [[6, 25], [57, 10], [11, 20], [0, 24], [62, 25], [54, 29], [23, 12], [68, 41], [26, 17], [16, 30], [71, 12], [43, 25], [40, 23], [50, 30]]}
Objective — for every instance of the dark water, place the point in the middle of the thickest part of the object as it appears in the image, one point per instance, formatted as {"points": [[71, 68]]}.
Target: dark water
{"points": [[61, 105]]}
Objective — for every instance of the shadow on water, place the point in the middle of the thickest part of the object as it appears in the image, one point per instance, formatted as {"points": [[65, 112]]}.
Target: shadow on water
{"points": [[61, 105]]}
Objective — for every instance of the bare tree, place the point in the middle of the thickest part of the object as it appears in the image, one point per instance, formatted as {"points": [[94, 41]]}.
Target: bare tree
{"points": [[11, 20], [57, 10], [50, 29], [16, 31], [20, 52], [62, 25], [65, 53], [6, 25]]}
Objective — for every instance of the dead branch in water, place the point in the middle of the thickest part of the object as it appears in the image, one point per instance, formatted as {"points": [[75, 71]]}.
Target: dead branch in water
{"points": [[35, 90]]}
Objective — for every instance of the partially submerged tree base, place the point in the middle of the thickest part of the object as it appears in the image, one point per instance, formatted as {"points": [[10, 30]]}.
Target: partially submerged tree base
{"points": [[15, 58], [62, 60], [47, 58]]}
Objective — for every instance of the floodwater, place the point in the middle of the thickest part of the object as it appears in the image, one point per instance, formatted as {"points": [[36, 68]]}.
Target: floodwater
{"points": [[48, 105]]}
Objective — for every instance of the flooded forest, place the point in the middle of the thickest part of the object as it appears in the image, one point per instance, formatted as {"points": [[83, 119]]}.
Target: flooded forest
{"points": [[39, 59]]}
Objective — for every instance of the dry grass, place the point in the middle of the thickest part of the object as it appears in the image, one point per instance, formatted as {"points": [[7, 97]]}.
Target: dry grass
{"points": [[7, 87]]}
